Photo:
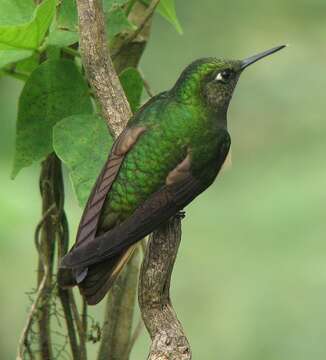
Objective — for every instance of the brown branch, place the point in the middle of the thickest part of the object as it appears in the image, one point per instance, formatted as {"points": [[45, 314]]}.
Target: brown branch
{"points": [[65, 302], [168, 338], [99, 67]]}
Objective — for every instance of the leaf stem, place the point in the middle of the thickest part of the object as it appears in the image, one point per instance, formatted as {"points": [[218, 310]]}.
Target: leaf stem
{"points": [[70, 51]]}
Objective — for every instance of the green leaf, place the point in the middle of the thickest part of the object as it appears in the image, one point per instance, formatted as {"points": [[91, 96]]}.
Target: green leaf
{"points": [[28, 65], [68, 16], [82, 142], [116, 22], [30, 35], [132, 84], [55, 90], [13, 12], [62, 38], [167, 9], [11, 56]]}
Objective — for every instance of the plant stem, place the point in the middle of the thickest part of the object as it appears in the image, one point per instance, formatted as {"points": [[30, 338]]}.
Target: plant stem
{"points": [[50, 168], [70, 51]]}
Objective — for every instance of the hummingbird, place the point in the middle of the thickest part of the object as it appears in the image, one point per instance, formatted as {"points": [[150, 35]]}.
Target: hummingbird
{"points": [[171, 151]]}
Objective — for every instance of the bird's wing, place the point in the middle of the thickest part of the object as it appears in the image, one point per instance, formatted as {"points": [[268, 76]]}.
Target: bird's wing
{"points": [[180, 189], [89, 221]]}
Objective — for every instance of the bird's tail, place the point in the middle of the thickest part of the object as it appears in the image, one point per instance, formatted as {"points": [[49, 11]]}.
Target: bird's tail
{"points": [[98, 278]]}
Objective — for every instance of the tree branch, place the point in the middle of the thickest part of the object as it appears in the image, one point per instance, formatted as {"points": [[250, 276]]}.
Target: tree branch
{"points": [[168, 339], [99, 67]]}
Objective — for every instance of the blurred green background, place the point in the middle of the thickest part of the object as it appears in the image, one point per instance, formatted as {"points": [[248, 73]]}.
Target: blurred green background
{"points": [[250, 278]]}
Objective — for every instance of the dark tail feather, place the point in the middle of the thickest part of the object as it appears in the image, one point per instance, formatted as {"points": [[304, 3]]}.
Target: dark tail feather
{"points": [[100, 277]]}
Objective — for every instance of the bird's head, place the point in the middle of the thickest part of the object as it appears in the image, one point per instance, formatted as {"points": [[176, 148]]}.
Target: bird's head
{"points": [[212, 80]]}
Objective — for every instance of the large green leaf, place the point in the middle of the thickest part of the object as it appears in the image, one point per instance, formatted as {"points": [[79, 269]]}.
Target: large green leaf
{"points": [[82, 142], [132, 84], [13, 12], [30, 35], [53, 91]]}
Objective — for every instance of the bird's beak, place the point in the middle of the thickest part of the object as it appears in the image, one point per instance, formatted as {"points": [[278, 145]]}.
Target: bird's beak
{"points": [[252, 59]]}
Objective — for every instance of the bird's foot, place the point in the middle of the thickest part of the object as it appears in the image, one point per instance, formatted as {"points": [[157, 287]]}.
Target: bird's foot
{"points": [[181, 214]]}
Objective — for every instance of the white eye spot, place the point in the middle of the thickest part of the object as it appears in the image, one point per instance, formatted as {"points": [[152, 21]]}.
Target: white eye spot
{"points": [[219, 77]]}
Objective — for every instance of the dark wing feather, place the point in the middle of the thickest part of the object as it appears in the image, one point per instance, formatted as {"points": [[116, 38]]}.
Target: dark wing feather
{"points": [[89, 221]]}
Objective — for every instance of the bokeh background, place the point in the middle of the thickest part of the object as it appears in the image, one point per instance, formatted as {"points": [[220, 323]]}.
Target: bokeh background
{"points": [[250, 278]]}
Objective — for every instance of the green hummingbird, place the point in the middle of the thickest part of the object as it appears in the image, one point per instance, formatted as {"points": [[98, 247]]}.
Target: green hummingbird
{"points": [[171, 151]]}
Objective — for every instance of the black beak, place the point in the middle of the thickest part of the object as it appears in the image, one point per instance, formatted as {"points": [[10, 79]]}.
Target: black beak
{"points": [[252, 59]]}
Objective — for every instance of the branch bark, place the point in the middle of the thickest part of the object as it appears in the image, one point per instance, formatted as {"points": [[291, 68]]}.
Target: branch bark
{"points": [[99, 67], [168, 338]]}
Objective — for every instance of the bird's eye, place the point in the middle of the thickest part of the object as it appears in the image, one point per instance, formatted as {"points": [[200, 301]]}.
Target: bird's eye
{"points": [[224, 75]]}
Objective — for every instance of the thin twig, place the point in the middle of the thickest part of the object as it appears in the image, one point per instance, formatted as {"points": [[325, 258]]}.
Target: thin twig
{"points": [[65, 298], [84, 316], [80, 324], [70, 51], [65, 301], [23, 341], [147, 87]]}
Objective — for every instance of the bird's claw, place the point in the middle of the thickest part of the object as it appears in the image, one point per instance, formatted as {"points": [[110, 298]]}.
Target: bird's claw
{"points": [[181, 214]]}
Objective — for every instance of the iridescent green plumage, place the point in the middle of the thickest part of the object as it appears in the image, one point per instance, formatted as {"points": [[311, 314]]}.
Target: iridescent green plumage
{"points": [[176, 121], [170, 152]]}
